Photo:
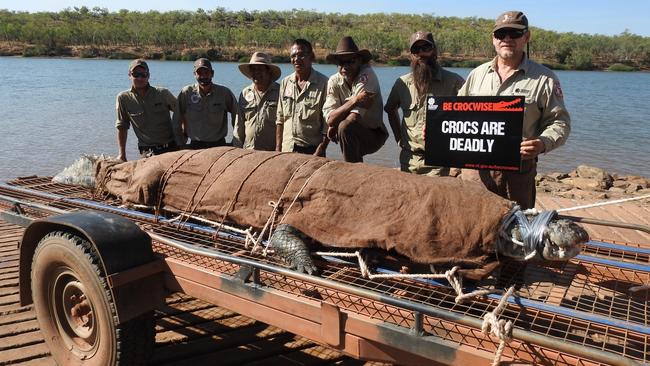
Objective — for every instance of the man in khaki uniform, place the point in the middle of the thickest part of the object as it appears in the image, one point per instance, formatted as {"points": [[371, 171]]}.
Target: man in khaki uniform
{"points": [[258, 104], [147, 109], [203, 109], [353, 105], [410, 93], [300, 126], [546, 120]]}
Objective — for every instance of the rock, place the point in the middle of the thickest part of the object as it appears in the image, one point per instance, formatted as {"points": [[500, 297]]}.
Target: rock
{"points": [[643, 192], [567, 194], [589, 172], [587, 184], [602, 196], [616, 190], [620, 184], [554, 186], [557, 175], [633, 188], [643, 182]]}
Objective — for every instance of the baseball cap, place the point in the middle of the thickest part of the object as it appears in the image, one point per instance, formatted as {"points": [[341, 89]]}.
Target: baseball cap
{"points": [[421, 36], [138, 62], [511, 19], [202, 62]]}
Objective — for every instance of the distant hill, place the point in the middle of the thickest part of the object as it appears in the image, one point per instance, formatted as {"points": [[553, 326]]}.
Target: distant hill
{"points": [[233, 35]]}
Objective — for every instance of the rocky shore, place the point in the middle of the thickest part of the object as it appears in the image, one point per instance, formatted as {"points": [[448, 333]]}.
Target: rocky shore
{"points": [[587, 182]]}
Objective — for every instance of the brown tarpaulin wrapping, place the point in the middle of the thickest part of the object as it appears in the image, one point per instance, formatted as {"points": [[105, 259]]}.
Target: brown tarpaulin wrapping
{"points": [[429, 220]]}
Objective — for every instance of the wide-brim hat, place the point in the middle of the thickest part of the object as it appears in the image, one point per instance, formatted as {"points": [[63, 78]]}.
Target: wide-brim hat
{"points": [[260, 58], [346, 47]]}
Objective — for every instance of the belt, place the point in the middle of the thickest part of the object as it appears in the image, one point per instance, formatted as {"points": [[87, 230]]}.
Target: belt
{"points": [[157, 147]]}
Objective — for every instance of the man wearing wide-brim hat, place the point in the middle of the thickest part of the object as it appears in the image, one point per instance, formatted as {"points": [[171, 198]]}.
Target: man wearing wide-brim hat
{"points": [[203, 109], [258, 104], [546, 124], [353, 107]]}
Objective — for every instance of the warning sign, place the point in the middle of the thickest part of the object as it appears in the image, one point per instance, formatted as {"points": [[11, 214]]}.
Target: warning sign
{"points": [[474, 132]]}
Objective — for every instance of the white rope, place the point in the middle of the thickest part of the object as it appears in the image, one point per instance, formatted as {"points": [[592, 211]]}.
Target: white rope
{"points": [[603, 203], [454, 279], [498, 327]]}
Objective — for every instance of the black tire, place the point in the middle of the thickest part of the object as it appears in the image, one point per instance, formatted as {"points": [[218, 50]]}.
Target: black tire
{"points": [[76, 310]]}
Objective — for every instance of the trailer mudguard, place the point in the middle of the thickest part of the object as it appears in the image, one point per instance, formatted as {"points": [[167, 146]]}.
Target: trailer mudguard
{"points": [[121, 246]]}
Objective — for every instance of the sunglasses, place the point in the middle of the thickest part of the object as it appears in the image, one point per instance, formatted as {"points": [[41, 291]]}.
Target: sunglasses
{"points": [[139, 75], [501, 34], [346, 62], [421, 48]]}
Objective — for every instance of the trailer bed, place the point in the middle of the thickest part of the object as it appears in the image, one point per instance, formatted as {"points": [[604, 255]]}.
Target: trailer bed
{"points": [[574, 313]]}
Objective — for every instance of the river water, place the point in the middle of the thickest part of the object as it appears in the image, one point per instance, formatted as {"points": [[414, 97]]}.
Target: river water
{"points": [[54, 109]]}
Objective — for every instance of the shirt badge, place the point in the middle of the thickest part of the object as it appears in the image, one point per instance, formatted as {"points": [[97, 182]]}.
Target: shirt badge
{"points": [[195, 98]]}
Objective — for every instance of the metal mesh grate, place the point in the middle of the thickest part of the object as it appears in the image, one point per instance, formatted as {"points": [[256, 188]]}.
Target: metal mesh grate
{"points": [[580, 301]]}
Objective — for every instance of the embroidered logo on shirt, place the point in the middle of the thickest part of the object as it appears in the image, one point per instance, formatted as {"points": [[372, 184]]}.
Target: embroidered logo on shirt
{"points": [[195, 98], [558, 90], [363, 78]]}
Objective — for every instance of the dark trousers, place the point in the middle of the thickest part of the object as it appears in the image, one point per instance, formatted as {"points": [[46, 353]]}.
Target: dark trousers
{"points": [[147, 151], [357, 141], [309, 150], [515, 186], [196, 145]]}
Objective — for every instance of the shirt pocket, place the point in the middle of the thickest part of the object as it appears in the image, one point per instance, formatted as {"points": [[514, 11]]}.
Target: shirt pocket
{"points": [[270, 111], [411, 115], [310, 113]]}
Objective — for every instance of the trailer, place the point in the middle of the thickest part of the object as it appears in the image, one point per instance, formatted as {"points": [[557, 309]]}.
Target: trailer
{"points": [[95, 271]]}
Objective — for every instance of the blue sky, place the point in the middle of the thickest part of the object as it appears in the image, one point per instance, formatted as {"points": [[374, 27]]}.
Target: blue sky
{"points": [[595, 17]]}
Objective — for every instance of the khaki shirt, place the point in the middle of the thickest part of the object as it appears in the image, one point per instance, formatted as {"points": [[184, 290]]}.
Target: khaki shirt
{"points": [[301, 112], [545, 116], [404, 95], [206, 115], [149, 115], [338, 92], [255, 125]]}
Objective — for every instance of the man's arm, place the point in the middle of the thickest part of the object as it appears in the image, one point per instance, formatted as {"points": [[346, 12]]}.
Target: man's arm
{"points": [[239, 133], [363, 99], [393, 120], [121, 143], [322, 147], [279, 130]]}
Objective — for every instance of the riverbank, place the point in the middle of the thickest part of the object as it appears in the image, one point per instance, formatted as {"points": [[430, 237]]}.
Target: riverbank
{"points": [[242, 54]]}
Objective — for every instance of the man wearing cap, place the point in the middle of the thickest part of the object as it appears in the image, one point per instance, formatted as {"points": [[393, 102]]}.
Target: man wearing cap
{"points": [[410, 93], [300, 126], [203, 109], [546, 123], [146, 108], [353, 106], [258, 104]]}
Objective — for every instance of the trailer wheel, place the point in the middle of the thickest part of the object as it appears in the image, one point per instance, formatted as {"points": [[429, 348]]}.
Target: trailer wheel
{"points": [[76, 310]]}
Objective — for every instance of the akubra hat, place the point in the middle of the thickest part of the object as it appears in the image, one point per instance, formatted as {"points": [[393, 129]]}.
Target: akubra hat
{"points": [[260, 58], [346, 47]]}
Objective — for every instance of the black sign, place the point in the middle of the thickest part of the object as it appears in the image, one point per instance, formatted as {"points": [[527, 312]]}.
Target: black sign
{"points": [[474, 132]]}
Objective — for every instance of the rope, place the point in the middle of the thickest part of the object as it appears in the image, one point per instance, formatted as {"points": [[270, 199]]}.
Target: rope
{"points": [[275, 204], [499, 328], [604, 203], [455, 279], [166, 176], [272, 217]]}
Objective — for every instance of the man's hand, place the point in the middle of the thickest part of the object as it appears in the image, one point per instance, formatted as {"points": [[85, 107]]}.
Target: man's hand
{"points": [[333, 134], [364, 99], [530, 148], [320, 151], [121, 156]]}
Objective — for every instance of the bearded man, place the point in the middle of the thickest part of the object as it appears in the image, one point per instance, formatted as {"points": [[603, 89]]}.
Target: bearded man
{"points": [[203, 110], [410, 93]]}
